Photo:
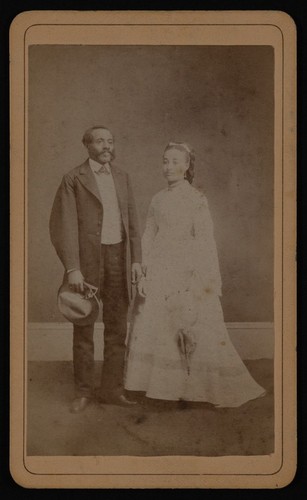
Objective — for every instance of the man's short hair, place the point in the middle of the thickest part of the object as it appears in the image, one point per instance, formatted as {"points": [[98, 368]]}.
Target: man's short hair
{"points": [[88, 137]]}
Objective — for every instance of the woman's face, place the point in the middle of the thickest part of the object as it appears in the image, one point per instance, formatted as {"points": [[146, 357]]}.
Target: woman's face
{"points": [[175, 164]]}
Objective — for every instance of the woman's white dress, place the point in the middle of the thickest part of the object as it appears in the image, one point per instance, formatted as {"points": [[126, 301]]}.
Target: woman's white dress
{"points": [[183, 287]]}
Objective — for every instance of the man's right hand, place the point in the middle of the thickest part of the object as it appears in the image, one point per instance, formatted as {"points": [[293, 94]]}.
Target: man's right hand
{"points": [[75, 281], [142, 287]]}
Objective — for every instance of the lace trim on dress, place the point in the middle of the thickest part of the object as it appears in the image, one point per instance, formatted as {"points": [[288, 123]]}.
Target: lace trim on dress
{"points": [[166, 363]]}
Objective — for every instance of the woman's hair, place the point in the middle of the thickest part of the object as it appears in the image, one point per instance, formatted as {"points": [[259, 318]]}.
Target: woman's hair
{"points": [[183, 146]]}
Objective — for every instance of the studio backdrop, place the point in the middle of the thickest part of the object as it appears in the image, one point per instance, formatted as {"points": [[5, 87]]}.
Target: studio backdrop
{"points": [[218, 99]]}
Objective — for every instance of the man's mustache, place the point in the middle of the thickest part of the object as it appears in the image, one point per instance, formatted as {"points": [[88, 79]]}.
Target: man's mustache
{"points": [[112, 153]]}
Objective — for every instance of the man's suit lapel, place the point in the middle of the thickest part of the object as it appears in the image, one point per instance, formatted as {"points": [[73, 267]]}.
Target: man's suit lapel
{"points": [[87, 178], [121, 191], [120, 187]]}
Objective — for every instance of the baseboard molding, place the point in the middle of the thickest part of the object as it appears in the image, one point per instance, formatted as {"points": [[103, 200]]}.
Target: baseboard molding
{"points": [[53, 341]]}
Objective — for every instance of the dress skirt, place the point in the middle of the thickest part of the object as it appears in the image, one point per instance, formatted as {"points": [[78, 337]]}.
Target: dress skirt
{"points": [[155, 363], [178, 346]]}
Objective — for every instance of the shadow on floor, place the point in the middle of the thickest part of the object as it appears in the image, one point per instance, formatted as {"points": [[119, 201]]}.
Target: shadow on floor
{"points": [[153, 429]]}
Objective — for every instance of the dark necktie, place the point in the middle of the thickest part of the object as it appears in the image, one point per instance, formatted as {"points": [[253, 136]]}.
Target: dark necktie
{"points": [[102, 170]]}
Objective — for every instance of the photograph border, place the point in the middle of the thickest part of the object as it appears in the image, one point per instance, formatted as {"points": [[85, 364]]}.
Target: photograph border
{"points": [[19, 469]]}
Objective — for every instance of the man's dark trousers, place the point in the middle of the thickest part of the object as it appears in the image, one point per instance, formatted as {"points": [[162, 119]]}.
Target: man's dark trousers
{"points": [[114, 296]]}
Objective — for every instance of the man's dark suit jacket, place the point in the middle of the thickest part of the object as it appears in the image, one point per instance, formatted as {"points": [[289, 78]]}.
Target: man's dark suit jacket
{"points": [[77, 217]]}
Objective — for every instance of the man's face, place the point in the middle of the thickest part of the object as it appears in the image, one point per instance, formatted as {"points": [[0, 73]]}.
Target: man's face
{"points": [[101, 148]]}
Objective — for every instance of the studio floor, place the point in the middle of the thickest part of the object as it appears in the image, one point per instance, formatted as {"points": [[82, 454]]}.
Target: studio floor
{"points": [[151, 428]]}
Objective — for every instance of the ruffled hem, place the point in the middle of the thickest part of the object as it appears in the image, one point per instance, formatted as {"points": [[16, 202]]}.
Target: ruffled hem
{"points": [[167, 379]]}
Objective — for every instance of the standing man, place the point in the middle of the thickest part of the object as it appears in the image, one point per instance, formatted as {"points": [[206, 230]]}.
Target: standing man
{"points": [[94, 229]]}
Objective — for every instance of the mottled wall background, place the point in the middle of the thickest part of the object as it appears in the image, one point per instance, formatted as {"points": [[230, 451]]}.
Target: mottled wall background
{"points": [[219, 99]]}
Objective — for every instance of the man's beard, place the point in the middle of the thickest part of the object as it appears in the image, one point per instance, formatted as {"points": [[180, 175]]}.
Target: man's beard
{"points": [[111, 153]]}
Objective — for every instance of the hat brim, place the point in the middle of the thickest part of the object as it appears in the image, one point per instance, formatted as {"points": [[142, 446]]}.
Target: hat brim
{"points": [[75, 307]]}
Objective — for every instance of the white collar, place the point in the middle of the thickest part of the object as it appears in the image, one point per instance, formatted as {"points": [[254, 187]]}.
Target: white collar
{"points": [[96, 166]]}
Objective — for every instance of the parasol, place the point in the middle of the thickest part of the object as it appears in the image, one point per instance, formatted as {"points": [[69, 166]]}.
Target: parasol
{"points": [[187, 345]]}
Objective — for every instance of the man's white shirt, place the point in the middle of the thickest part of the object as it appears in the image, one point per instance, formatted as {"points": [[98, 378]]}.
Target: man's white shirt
{"points": [[112, 228]]}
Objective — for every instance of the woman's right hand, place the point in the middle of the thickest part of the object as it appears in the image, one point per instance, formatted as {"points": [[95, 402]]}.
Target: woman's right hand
{"points": [[142, 287]]}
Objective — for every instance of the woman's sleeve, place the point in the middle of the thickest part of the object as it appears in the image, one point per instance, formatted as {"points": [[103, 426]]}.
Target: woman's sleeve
{"points": [[206, 256], [149, 233]]}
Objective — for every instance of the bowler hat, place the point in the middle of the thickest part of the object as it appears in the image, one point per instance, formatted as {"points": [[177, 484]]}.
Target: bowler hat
{"points": [[79, 308]]}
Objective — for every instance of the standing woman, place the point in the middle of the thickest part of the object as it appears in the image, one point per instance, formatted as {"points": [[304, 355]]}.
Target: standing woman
{"points": [[179, 347]]}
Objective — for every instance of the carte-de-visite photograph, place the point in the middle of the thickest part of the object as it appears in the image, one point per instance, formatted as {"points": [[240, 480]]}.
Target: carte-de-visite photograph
{"points": [[151, 271], [151, 170]]}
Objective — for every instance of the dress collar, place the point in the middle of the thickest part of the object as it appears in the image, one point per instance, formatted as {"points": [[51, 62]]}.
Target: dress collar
{"points": [[181, 185]]}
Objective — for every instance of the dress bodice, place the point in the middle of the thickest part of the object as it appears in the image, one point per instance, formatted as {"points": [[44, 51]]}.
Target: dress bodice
{"points": [[179, 230], [173, 213]]}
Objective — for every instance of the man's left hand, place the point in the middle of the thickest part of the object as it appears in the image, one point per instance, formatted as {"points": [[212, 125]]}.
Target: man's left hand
{"points": [[136, 272]]}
